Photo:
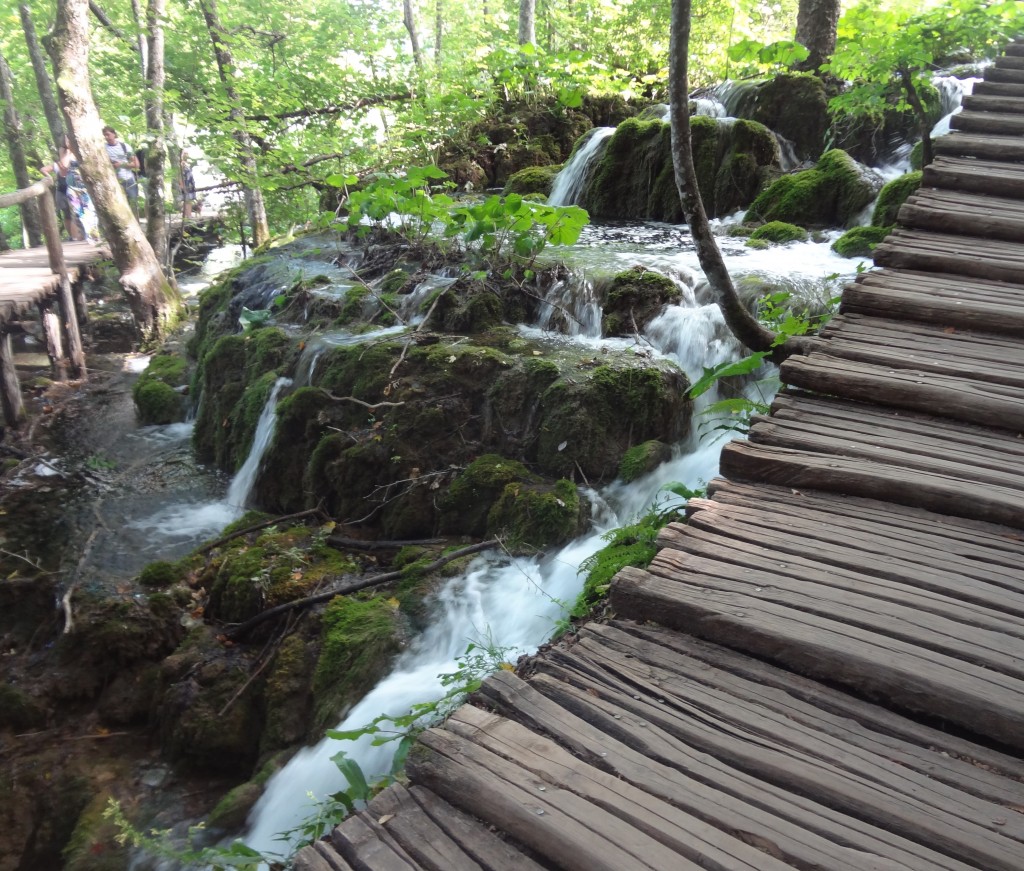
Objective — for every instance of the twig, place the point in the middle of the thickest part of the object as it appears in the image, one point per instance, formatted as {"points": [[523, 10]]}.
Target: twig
{"points": [[360, 544], [369, 405], [65, 604], [34, 565], [377, 580], [206, 548], [582, 475], [269, 655]]}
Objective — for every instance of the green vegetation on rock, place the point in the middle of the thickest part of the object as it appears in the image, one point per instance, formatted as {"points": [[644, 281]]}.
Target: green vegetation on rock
{"points": [[532, 180], [778, 232], [634, 298], [159, 392], [860, 241], [534, 516], [643, 458], [892, 196]]}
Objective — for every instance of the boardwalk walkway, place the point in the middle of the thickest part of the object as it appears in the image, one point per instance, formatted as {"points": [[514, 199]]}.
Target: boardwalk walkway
{"points": [[823, 669], [26, 278]]}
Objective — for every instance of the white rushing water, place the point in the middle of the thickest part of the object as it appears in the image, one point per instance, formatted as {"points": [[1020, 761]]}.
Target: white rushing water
{"points": [[569, 183]]}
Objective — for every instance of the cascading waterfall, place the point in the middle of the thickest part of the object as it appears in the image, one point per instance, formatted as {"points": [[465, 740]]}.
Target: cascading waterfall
{"points": [[570, 183], [243, 482]]}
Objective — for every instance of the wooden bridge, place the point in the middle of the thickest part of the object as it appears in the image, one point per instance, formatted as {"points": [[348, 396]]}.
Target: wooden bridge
{"points": [[824, 668]]}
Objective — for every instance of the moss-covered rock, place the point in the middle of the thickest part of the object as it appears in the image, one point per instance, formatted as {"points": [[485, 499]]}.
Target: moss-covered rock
{"points": [[93, 845], [473, 493], [892, 196], [534, 516], [794, 105], [159, 574], [635, 178], [860, 241], [778, 232], [232, 811], [532, 180], [634, 298], [830, 195], [643, 458], [159, 393], [19, 710], [288, 696], [917, 155], [359, 636]]}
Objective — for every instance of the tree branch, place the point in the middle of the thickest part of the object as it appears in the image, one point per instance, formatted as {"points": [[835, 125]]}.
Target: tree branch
{"points": [[101, 17], [243, 628]]}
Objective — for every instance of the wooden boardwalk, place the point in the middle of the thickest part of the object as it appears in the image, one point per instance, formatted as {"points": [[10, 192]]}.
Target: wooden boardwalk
{"points": [[26, 278], [824, 668]]}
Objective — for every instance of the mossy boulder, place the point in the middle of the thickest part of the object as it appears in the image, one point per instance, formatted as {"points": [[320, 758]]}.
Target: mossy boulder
{"points": [[530, 517], [635, 178], [93, 844], [641, 459], [359, 636], [231, 812], [159, 393], [469, 499], [634, 298], [532, 180], [288, 695], [794, 105], [159, 574], [892, 196], [832, 194], [860, 241], [778, 233]]}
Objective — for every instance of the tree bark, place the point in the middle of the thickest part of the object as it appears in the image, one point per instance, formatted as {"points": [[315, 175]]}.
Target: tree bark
{"points": [[16, 149], [156, 153], [816, 22], [409, 21], [42, 74], [438, 28], [527, 27], [923, 122], [744, 326], [154, 303], [253, 196]]}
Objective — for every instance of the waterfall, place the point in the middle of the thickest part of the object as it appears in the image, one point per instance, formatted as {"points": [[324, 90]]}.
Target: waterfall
{"points": [[243, 482], [570, 183]]}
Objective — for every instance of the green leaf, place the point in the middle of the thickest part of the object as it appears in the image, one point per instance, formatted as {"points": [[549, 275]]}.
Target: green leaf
{"points": [[744, 366]]}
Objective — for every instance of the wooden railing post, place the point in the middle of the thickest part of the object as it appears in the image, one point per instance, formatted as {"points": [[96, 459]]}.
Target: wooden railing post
{"points": [[10, 387], [65, 299]]}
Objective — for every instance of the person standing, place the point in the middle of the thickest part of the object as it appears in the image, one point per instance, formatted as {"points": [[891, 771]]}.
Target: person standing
{"points": [[125, 163], [81, 214], [186, 186]]}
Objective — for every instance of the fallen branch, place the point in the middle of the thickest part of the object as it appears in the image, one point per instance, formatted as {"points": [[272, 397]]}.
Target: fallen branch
{"points": [[243, 628], [206, 548], [340, 541], [370, 405], [34, 565]]}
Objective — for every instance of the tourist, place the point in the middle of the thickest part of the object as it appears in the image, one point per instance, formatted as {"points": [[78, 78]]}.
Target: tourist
{"points": [[80, 214], [186, 185], [126, 164]]}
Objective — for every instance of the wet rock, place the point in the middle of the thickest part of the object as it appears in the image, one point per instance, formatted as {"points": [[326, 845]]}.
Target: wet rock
{"points": [[634, 298]]}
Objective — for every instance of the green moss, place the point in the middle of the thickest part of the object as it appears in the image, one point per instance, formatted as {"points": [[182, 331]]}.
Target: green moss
{"points": [[535, 516], [288, 695], [892, 196], [472, 494], [18, 710], [831, 194], [158, 403], [230, 813], [860, 241], [634, 298], [159, 574], [357, 640], [643, 458], [778, 232], [93, 845], [917, 156], [532, 180]]}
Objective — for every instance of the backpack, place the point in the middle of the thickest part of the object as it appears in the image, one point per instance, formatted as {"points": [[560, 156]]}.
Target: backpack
{"points": [[140, 159]]}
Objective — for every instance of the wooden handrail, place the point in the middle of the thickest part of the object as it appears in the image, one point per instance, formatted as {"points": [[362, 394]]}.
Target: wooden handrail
{"points": [[24, 194]]}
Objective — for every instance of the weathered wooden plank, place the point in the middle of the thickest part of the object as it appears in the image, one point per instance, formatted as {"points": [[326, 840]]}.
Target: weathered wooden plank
{"points": [[1000, 88], [991, 147], [553, 822], [994, 103], [985, 704], [320, 857], [1010, 61], [976, 635], [806, 832], [953, 254], [989, 122], [681, 832], [999, 73], [984, 543], [629, 665], [927, 392], [802, 469], [364, 843], [977, 769], [976, 176], [416, 833], [965, 589], [986, 217], [476, 839]]}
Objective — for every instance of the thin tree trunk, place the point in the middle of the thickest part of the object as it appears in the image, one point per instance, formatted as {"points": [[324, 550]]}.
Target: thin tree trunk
{"points": [[410, 24], [740, 321], [225, 65], [154, 303], [923, 122], [816, 22], [156, 153], [43, 85], [527, 28], [141, 38], [16, 149], [438, 28]]}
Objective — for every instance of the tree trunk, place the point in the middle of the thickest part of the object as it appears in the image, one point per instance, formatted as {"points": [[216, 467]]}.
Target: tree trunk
{"points": [[527, 28], [410, 24], [744, 326], [141, 38], [156, 153], [16, 150], [43, 85], [438, 28], [923, 122], [816, 22], [154, 303], [225, 66]]}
